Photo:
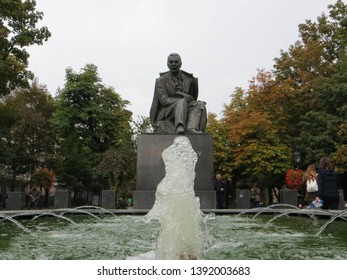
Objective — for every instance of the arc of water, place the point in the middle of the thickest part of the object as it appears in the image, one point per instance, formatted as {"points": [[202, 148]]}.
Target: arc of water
{"points": [[31, 213], [260, 210], [53, 214], [290, 212], [276, 205], [72, 210], [338, 215], [251, 210], [317, 211], [4, 217], [94, 207]]}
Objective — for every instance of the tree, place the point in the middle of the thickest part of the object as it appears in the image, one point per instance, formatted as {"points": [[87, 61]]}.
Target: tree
{"points": [[25, 129], [222, 160], [258, 150], [91, 119], [310, 70], [117, 167], [254, 123], [18, 21], [332, 96], [141, 125], [299, 105], [43, 178]]}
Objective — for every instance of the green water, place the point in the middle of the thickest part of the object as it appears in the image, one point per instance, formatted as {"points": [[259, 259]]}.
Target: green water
{"points": [[117, 237]]}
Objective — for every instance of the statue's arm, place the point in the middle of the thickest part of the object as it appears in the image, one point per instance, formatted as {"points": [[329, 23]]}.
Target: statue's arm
{"points": [[163, 96], [194, 89]]}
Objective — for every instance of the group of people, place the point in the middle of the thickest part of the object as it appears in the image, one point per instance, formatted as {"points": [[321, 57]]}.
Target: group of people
{"points": [[321, 186], [33, 198]]}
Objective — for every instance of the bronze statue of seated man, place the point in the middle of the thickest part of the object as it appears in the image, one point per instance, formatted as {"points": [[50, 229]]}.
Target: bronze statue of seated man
{"points": [[175, 108]]}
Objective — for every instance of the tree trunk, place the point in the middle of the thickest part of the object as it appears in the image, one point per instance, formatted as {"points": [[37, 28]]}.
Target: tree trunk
{"points": [[14, 176], [46, 198]]}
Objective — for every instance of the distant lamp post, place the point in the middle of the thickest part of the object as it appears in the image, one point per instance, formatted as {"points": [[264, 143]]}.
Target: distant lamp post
{"points": [[297, 159], [42, 158]]}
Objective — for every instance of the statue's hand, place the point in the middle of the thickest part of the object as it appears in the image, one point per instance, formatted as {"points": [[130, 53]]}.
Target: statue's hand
{"points": [[188, 98]]}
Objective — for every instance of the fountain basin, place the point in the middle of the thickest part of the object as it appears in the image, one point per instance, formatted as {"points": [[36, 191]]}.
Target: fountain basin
{"points": [[234, 237]]}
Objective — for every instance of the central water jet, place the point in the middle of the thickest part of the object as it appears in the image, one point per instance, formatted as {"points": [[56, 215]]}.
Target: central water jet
{"points": [[182, 233]]}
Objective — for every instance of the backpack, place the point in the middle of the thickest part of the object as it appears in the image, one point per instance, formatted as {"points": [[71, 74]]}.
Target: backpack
{"points": [[311, 185]]}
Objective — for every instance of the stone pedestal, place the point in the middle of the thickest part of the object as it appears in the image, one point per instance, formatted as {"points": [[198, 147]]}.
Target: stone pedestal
{"points": [[62, 199], [15, 200], [151, 168], [108, 199], [243, 199], [144, 199], [289, 197]]}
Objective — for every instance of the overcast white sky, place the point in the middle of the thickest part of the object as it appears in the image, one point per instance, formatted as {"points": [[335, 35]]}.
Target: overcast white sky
{"points": [[222, 42]]}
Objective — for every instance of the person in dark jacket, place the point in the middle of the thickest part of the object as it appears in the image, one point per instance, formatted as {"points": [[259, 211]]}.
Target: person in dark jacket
{"points": [[220, 187], [327, 185]]}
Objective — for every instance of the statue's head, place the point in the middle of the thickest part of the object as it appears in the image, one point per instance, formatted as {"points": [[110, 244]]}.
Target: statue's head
{"points": [[174, 62]]}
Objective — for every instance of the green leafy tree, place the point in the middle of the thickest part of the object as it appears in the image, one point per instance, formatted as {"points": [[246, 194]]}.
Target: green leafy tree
{"points": [[25, 129], [141, 126], [116, 168], [309, 73], [332, 96], [340, 155], [91, 120], [222, 161], [18, 29]]}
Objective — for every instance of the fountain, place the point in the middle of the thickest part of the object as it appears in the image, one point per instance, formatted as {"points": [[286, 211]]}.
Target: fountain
{"points": [[175, 228], [117, 237], [12, 220], [182, 233]]}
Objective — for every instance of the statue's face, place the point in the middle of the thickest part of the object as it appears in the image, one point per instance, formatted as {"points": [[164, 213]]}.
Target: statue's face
{"points": [[174, 63]]}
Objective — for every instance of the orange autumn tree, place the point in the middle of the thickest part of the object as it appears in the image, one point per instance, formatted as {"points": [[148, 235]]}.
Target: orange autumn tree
{"points": [[44, 178], [300, 104], [255, 122], [259, 150]]}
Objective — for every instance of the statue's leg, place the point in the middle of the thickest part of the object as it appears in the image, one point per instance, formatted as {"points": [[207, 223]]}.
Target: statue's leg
{"points": [[181, 112], [197, 117], [203, 120], [173, 118]]}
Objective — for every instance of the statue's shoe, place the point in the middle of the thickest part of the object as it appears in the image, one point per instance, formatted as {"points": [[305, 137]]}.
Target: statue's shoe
{"points": [[180, 129], [194, 131]]}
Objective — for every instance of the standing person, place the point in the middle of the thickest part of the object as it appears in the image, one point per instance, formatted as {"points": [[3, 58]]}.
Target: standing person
{"points": [[255, 196], [310, 181], [34, 197], [175, 108], [220, 188], [327, 185]]}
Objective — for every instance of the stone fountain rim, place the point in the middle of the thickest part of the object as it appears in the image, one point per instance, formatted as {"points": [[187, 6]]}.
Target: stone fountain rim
{"points": [[28, 214]]}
